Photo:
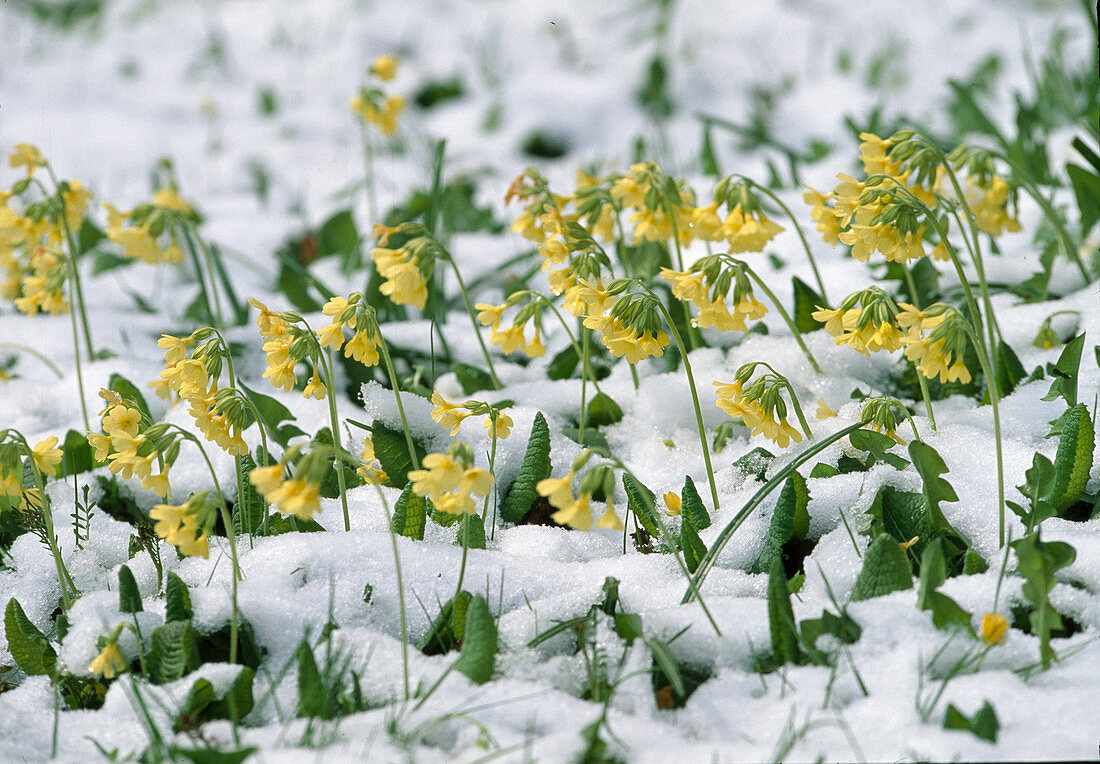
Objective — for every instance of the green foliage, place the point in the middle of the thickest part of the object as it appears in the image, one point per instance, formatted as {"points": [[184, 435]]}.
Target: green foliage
{"points": [[435, 92], [471, 378], [885, 569], [118, 501], [522, 496], [877, 445], [312, 698], [1074, 459], [202, 704], [1064, 373], [479, 643], [177, 599], [790, 521], [273, 415], [933, 572], [445, 632], [410, 514], [173, 653], [641, 501], [692, 508], [781, 624], [692, 545], [129, 598], [76, 455], [930, 466], [249, 506], [806, 301], [29, 647], [754, 463], [392, 451], [653, 95], [1009, 371], [983, 724], [544, 145], [602, 410], [1038, 562], [1086, 186], [471, 532]]}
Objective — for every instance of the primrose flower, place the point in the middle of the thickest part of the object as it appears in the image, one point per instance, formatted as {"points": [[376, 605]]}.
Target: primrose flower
{"points": [[940, 352], [451, 481], [673, 504], [26, 155], [47, 456], [448, 414], [405, 283], [760, 407], [367, 468], [502, 428], [186, 526], [384, 67], [868, 328], [994, 628], [109, 663]]}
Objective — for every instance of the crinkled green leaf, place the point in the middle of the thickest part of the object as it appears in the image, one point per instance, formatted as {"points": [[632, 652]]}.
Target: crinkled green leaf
{"points": [[392, 451], [29, 647], [177, 599], [471, 532], [536, 466], [128, 390], [781, 624], [789, 521], [885, 569], [129, 598], [1074, 460], [410, 514], [1038, 562], [930, 466], [694, 549], [641, 501], [602, 410], [1064, 372], [248, 509], [173, 653], [479, 643], [443, 634], [692, 508]]}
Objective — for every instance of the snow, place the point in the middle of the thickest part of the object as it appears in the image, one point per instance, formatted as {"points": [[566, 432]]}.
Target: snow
{"points": [[105, 102]]}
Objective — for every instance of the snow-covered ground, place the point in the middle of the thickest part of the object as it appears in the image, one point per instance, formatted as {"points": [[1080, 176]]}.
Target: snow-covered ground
{"points": [[105, 101]]}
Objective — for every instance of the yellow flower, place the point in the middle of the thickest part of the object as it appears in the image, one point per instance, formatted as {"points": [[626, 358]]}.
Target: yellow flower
{"points": [[46, 456], [747, 233], [442, 474], [673, 503], [823, 410], [448, 414], [315, 388], [384, 67], [609, 519], [489, 315], [510, 340], [170, 199], [331, 335], [297, 497], [101, 444], [503, 426], [576, 514], [267, 479], [26, 155], [535, 348], [109, 663], [363, 349], [994, 628], [557, 490], [175, 348]]}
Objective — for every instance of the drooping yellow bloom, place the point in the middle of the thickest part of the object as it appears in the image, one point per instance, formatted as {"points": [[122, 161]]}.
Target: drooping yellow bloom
{"points": [[759, 419], [449, 484], [994, 628], [557, 490], [673, 504], [109, 663], [503, 426], [186, 527], [489, 315], [26, 155], [47, 456], [448, 414], [823, 410], [298, 498], [747, 232], [384, 67]]}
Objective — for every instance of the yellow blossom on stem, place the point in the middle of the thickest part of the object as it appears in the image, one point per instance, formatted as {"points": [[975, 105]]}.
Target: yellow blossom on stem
{"points": [[109, 663], [47, 456], [994, 628]]}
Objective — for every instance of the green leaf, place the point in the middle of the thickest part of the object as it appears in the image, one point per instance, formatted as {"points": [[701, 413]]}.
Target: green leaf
{"points": [[904, 515], [933, 572], [984, 723], [781, 624], [602, 410], [441, 635], [1009, 371], [843, 627], [628, 626], [129, 598], [338, 236], [755, 462], [248, 509], [1074, 460], [471, 532], [238, 701], [823, 470], [1086, 187], [930, 466], [694, 549], [212, 755], [472, 378], [410, 514], [392, 451], [129, 391], [177, 599], [692, 508], [479, 643], [789, 521], [522, 496], [272, 415], [198, 699], [173, 653], [29, 647], [662, 657], [641, 501], [973, 563], [877, 444], [707, 158], [927, 280], [1038, 562], [76, 455], [563, 364], [806, 301], [311, 691], [1065, 370], [885, 570]]}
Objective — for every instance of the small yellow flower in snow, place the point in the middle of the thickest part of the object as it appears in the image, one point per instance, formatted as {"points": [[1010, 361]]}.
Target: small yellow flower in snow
{"points": [[994, 628], [26, 155], [503, 426], [384, 67], [109, 663], [673, 503], [823, 410], [46, 456]]}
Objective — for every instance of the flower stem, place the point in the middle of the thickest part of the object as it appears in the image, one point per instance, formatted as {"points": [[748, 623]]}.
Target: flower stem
{"points": [[397, 395], [79, 371], [477, 326], [335, 420], [584, 382], [400, 590], [786, 317], [805, 245], [920, 377]]}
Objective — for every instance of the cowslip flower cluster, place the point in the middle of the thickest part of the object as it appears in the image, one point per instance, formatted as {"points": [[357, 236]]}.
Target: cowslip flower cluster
{"points": [[575, 511], [451, 481], [760, 405], [187, 526], [865, 321], [299, 495], [42, 286], [936, 341], [44, 458], [542, 211], [131, 446], [406, 268], [707, 285], [661, 205], [351, 312], [883, 414], [746, 227], [632, 329], [496, 422], [287, 344], [513, 337], [371, 104], [194, 374], [152, 232]]}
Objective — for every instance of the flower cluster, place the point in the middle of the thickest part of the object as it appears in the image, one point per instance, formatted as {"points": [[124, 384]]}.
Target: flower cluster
{"points": [[152, 232], [300, 495], [187, 526], [707, 284], [45, 458], [662, 205], [575, 511], [42, 285], [632, 328], [936, 341], [131, 446], [496, 422], [760, 405], [450, 480], [288, 342], [351, 312], [372, 105], [865, 321], [513, 337], [746, 227], [220, 413], [542, 214], [406, 268]]}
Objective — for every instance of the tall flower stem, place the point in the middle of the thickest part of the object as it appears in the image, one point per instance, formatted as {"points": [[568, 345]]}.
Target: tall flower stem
{"points": [[786, 317], [368, 167], [335, 421], [473, 318], [64, 580], [74, 270], [31, 351], [694, 396], [215, 314], [76, 356], [397, 395], [798, 229], [584, 381], [692, 340], [920, 377], [400, 590], [492, 471]]}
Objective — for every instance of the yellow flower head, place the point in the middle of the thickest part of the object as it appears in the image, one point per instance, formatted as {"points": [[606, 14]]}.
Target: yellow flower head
{"points": [[994, 628], [384, 67], [26, 155], [47, 456], [109, 663], [673, 504]]}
